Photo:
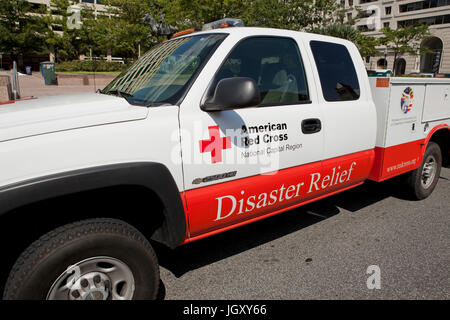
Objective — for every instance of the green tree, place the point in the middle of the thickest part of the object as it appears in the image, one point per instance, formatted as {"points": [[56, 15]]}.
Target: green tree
{"points": [[342, 31], [366, 45], [405, 40], [195, 13], [65, 42], [123, 28], [285, 14], [310, 14], [268, 13], [21, 32]]}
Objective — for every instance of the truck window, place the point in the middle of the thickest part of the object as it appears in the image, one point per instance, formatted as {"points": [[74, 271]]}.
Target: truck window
{"points": [[336, 71], [165, 72], [275, 65]]}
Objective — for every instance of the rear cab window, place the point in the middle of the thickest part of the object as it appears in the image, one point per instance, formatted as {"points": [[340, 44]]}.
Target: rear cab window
{"points": [[337, 72]]}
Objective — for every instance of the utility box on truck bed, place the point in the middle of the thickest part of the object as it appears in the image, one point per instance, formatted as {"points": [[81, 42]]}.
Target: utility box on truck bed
{"points": [[407, 110]]}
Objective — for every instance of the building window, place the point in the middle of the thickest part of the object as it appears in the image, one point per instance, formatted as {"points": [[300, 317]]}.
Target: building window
{"points": [[400, 66], [363, 28], [386, 24], [367, 1], [38, 8], [420, 5], [382, 64], [57, 27], [350, 3], [429, 20], [366, 13], [57, 12], [336, 71], [388, 10]]}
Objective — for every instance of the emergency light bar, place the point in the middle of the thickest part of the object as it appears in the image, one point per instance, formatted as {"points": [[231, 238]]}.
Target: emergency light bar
{"points": [[222, 23], [182, 33]]}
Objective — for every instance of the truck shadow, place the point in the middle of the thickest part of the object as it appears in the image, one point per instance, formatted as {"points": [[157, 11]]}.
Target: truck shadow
{"points": [[203, 252]]}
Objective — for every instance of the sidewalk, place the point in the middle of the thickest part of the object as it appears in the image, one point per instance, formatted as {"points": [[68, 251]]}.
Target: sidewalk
{"points": [[34, 86]]}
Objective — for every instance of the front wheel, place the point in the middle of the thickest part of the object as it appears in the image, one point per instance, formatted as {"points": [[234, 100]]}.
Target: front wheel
{"points": [[98, 259], [422, 181]]}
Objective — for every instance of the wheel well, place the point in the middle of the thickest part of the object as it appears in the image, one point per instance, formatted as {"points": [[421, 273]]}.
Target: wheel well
{"points": [[442, 138], [136, 205]]}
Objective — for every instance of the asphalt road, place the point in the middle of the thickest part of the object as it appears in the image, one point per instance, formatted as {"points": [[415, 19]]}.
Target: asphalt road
{"points": [[323, 250]]}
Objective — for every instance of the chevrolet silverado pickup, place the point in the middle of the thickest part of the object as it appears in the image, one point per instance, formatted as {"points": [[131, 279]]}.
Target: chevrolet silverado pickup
{"points": [[206, 132]]}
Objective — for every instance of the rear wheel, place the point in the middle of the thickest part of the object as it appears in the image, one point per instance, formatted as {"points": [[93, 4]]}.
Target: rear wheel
{"points": [[98, 259], [423, 180]]}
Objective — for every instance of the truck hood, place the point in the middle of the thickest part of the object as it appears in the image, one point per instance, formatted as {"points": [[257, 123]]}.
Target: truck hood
{"points": [[64, 112]]}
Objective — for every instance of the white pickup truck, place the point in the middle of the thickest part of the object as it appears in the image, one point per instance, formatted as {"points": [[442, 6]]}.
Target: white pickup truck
{"points": [[206, 132]]}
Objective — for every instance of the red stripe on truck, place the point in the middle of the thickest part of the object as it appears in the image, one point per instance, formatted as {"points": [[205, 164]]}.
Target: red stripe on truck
{"points": [[396, 160], [223, 206], [14, 101], [399, 159]]}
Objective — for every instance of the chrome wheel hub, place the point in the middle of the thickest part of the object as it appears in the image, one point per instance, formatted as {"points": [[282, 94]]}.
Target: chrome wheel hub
{"points": [[91, 286], [97, 278]]}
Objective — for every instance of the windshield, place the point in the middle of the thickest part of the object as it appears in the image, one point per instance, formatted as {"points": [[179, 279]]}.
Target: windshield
{"points": [[165, 72]]}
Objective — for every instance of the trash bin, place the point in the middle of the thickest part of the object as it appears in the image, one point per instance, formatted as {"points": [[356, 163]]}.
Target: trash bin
{"points": [[48, 72], [28, 69]]}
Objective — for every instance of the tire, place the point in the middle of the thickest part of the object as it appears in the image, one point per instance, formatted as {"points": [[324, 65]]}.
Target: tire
{"points": [[415, 180], [111, 259]]}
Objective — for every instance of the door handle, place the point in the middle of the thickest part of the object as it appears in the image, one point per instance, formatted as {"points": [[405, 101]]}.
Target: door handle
{"points": [[310, 126]]}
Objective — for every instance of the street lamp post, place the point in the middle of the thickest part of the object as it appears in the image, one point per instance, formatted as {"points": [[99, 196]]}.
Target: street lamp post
{"points": [[139, 46], [90, 52]]}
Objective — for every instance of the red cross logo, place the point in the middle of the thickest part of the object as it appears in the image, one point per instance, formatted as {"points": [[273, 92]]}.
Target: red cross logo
{"points": [[215, 144]]}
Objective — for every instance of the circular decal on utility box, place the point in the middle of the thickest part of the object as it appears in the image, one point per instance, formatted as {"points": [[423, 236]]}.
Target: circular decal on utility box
{"points": [[407, 100]]}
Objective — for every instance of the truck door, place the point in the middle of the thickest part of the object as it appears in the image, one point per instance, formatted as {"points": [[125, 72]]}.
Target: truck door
{"points": [[242, 164], [348, 112]]}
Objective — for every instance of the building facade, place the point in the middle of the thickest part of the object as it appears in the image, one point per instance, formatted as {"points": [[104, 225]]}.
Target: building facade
{"points": [[96, 5], [399, 13], [39, 6]]}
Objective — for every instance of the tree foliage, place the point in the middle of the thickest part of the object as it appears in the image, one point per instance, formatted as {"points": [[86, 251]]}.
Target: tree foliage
{"points": [[20, 31], [285, 14], [123, 28], [66, 42], [194, 13], [405, 40], [366, 45]]}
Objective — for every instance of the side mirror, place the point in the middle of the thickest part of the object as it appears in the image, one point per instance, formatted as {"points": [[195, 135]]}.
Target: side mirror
{"points": [[233, 93]]}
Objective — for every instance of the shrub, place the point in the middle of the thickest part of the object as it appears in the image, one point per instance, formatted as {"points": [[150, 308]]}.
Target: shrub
{"points": [[98, 66]]}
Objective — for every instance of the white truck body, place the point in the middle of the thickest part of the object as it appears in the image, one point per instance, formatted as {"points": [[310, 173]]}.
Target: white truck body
{"points": [[65, 133]]}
